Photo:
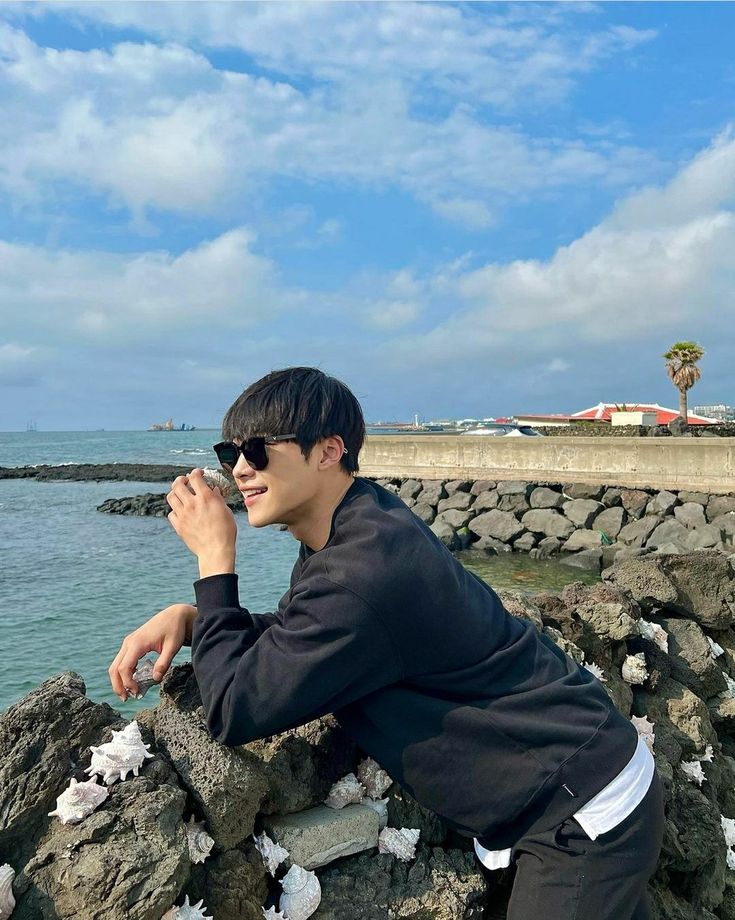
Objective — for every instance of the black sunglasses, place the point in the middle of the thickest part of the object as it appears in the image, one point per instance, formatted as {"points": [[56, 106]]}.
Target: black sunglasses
{"points": [[253, 450]]}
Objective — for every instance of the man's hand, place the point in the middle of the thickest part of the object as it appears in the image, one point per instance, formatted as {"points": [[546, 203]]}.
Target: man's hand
{"points": [[164, 633], [200, 516]]}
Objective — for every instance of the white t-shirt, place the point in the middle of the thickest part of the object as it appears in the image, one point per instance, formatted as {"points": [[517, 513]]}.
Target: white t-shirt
{"points": [[605, 811]]}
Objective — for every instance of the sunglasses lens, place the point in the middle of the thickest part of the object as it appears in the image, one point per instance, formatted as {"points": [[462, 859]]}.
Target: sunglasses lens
{"points": [[253, 451]]}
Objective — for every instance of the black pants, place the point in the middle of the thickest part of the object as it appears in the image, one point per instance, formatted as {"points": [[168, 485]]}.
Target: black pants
{"points": [[563, 875]]}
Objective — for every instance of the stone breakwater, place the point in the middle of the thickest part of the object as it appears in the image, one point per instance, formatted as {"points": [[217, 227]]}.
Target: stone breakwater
{"points": [[658, 632]]}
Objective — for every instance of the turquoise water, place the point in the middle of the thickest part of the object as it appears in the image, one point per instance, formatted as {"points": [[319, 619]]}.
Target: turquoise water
{"points": [[74, 582]]}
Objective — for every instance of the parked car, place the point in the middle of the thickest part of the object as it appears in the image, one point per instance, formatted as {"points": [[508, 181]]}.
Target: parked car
{"points": [[503, 430]]}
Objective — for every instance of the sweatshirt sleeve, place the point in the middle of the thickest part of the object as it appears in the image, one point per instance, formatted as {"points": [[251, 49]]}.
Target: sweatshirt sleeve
{"points": [[327, 648]]}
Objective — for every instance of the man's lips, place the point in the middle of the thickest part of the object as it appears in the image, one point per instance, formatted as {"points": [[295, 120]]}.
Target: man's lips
{"points": [[251, 495]]}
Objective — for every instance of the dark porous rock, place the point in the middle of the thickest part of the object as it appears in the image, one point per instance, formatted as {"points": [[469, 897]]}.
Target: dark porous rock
{"points": [[227, 784], [705, 587], [611, 498], [154, 504], [690, 514], [499, 524], [548, 522], [701, 498], [459, 500], [588, 560], [438, 884], [662, 503], [424, 511], [97, 472], [707, 537], [725, 523], [549, 546], [692, 663], [718, 505], [44, 741], [543, 497], [637, 532], [410, 488], [457, 485], [486, 501], [584, 490], [455, 518], [665, 905], [446, 533], [582, 511], [514, 487], [491, 546], [126, 861], [607, 611], [433, 491], [678, 426], [519, 605], [610, 521], [634, 501], [482, 485], [233, 885], [525, 543], [405, 811], [644, 579]]}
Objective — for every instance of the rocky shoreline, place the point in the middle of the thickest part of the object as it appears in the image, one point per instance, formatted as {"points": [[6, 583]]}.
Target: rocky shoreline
{"points": [[658, 632]]}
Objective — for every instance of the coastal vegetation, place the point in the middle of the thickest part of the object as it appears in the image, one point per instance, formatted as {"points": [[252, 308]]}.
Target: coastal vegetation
{"points": [[681, 366]]}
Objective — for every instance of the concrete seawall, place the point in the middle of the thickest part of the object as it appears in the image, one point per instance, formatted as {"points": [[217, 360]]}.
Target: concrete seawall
{"points": [[706, 464]]}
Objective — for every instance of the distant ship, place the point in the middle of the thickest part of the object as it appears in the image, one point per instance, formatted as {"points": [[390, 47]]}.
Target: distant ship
{"points": [[168, 425]]}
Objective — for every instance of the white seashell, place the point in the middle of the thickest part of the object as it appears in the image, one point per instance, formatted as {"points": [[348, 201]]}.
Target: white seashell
{"points": [[346, 791], [400, 842], [78, 801], [694, 772], [634, 669], [708, 756], [645, 730], [301, 893], [187, 911], [273, 853], [200, 843], [216, 480], [273, 914], [730, 859], [373, 777], [726, 694], [596, 670], [717, 650], [654, 632], [143, 676], [728, 828], [7, 900], [124, 754], [379, 805]]}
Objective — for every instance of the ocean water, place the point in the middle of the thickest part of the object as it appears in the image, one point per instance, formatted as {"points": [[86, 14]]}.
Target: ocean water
{"points": [[74, 582]]}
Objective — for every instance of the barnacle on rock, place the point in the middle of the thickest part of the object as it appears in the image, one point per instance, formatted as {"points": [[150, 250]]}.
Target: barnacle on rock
{"points": [[187, 911], [200, 843], [301, 893], [634, 669], [399, 842], [273, 853], [78, 801], [373, 777], [645, 730], [7, 899], [124, 754], [346, 791]]}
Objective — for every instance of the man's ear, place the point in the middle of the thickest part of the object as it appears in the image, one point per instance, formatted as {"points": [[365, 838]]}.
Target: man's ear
{"points": [[330, 451]]}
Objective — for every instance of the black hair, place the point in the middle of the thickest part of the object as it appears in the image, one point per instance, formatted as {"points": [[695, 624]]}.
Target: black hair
{"points": [[303, 401]]}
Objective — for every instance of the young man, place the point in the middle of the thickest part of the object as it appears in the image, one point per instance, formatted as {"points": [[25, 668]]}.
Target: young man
{"points": [[474, 712]]}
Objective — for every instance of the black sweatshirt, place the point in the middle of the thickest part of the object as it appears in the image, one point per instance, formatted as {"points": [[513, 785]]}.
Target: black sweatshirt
{"points": [[479, 716]]}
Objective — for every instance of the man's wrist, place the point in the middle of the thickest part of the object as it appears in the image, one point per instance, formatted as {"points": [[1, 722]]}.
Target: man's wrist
{"points": [[223, 564]]}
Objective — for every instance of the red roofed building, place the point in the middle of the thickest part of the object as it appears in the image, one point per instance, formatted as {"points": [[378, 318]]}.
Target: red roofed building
{"points": [[602, 412]]}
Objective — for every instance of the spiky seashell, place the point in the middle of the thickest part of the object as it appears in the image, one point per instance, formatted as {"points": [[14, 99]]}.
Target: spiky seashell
{"points": [[124, 754], [708, 756], [596, 670], [7, 900], [730, 859], [143, 676], [645, 730], [728, 829], [634, 669], [273, 853], [273, 914], [301, 893], [400, 842], [187, 911], [217, 480], [381, 807], [78, 801], [726, 694], [717, 649], [346, 791], [200, 843], [655, 633], [694, 772], [373, 777]]}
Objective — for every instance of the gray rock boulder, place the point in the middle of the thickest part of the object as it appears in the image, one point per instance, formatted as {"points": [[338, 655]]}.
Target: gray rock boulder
{"points": [[499, 524], [611, 498], [583, 539], [543, 497], [549, 546], [486, 501], [515, 503], [482, 485], [635, 502], [457, 485], [610, 521], [692, 663], [491, 546], [706, 537], [432, 492], [455, 518], [690, 514], [426, 512], [525, 543], [589, 560], [718, 505], [514, 487], [457, 500], [405, 811], [637, 532], [446, 533], [410, 489], [582, 511], [662, 503], [584, 490], [548, 522], [701, 498], [670, 531]]}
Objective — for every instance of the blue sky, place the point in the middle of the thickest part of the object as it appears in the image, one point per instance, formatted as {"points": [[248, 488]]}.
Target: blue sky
{"points": [[458, 209]]}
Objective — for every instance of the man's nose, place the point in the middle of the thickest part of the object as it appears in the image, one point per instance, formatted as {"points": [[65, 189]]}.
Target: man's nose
{"points": [[242, 469]]}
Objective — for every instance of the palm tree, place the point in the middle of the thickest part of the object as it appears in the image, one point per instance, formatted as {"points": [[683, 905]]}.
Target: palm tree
{"points": [[681, 366]]}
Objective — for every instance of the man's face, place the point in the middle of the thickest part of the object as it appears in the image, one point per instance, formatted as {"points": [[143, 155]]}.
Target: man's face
{"points": [[289, 480]]}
